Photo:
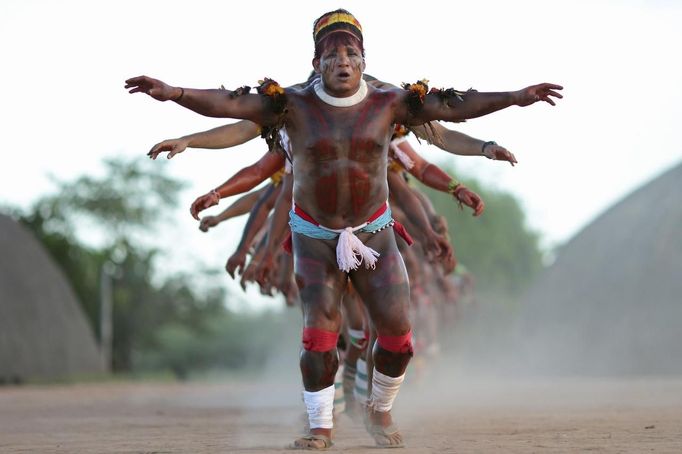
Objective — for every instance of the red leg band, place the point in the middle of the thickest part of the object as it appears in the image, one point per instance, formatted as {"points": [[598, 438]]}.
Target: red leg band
{"points": [[396, 344], [319, 340]]}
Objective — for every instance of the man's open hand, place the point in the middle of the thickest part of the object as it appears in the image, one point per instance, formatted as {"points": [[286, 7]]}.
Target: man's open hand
{"points": [[467, 197], [172, 146], [152, 87], [203, 202], [541, 92]]}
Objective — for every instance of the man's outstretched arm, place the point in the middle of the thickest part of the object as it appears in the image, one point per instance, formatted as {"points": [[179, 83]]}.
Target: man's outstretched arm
{"points": [[226, 136], [242, 181], [211, 103], [433, 176], [420, 106], [461, 144], [242, 206]]}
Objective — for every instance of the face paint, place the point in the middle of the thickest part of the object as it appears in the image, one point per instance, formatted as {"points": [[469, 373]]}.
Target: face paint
{"points": [[341, 69]]}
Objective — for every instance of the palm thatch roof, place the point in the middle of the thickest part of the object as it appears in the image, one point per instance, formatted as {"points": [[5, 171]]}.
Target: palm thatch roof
{"points": [[612, 301], [43, 331]]}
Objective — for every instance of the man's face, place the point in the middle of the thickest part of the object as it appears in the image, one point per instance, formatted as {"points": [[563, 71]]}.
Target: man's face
{"points": [[341, 67]]}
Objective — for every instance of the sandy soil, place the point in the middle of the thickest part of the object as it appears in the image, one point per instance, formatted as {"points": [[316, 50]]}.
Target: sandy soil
{"points": [[242, 416]]}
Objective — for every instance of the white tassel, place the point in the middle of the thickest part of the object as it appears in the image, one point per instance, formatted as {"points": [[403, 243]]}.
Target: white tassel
{"points": [[351, 252]]}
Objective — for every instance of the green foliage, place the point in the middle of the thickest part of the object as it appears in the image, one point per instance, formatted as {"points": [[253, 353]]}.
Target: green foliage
{"points": [[227, 341], [130, 198], [497, 247]]}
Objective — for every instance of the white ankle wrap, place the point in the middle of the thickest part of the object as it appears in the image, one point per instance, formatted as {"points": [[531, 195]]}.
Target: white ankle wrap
{"points": [[384, 391], [320, 406], [361, 382], [339, 397]]}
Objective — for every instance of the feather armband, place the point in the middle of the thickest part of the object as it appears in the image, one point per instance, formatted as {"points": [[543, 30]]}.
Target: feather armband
{"points": [[275, 93], [417, 93]]}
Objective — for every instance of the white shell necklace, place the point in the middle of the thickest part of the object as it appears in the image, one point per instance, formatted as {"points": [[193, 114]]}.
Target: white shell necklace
{"points": [[358, 97]]}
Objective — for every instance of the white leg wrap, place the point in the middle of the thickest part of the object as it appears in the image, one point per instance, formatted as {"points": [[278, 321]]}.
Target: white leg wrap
{"points": [[320, 406], [339, 397], [384, 391], [361, 382]]}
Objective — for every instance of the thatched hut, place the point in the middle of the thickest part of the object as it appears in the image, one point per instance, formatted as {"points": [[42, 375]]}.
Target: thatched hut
{"points": [[43, 331], [612, 301]]}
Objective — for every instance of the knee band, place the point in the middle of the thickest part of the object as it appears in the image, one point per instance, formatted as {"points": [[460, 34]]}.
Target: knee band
{"points": [[396, 344], [319, 340]]}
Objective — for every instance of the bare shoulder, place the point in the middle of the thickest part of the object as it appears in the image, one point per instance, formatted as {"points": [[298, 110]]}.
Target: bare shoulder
{"points": [[298, 92], [387, 92]]}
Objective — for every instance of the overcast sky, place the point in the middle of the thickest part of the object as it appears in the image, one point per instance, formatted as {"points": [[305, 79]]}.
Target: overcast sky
{"points": [[63, 106]]}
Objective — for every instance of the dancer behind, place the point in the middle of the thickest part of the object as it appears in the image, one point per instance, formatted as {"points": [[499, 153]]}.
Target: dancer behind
{"points": [[225, 136], [240, 207], [461, 144], [340, 130], [255, 230]]}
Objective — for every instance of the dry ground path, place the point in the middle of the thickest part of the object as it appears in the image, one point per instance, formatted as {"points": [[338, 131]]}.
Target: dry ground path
{"points": [[246, 416]]}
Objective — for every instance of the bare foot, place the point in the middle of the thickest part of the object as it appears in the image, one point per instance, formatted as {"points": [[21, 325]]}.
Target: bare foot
{"points": [[381, 428], [317, 439]]}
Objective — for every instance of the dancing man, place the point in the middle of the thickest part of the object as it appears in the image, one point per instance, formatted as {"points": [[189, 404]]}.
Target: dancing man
{"points": [[340, 130]]}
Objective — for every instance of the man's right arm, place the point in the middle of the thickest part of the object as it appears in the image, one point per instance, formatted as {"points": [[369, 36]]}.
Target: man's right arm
{"points": [[226, 136], [242, 181], [211, 103]]}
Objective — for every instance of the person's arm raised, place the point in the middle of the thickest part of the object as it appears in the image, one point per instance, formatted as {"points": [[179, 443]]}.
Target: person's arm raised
{"points": [[211, 103], [242, 181], [421, 105], [435, 177], [461, 144], [225, 136]]}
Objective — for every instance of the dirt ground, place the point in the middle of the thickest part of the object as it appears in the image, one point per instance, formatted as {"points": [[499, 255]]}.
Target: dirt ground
{"points": [[454, 414]]}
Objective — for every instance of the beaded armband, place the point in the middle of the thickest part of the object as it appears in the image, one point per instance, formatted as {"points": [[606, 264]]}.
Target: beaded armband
{"points": [[452, 186], [276, 178]]}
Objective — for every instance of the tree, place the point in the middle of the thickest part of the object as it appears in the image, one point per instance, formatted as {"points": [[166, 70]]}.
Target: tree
{"points": [[129, 200], [497, 247]]}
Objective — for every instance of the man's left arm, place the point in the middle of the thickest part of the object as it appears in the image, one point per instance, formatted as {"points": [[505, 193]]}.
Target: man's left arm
{"points": [[421, 106]]}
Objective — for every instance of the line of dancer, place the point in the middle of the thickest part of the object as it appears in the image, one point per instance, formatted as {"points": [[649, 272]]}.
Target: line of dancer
{"points": [[346, 202]]}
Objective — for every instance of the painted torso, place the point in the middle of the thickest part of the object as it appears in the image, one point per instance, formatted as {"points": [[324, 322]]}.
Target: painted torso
{"points": [[340, 155]]}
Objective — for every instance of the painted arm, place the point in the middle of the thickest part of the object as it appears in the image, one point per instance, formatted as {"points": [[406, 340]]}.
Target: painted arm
{"points": [[435, 246], [249, 274], [211, 103], [464, 105], [242, 206], [259, 213], [434, 177], [461, 144], [440, 226], [278, 230], [226, 136], [242, 181]]}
